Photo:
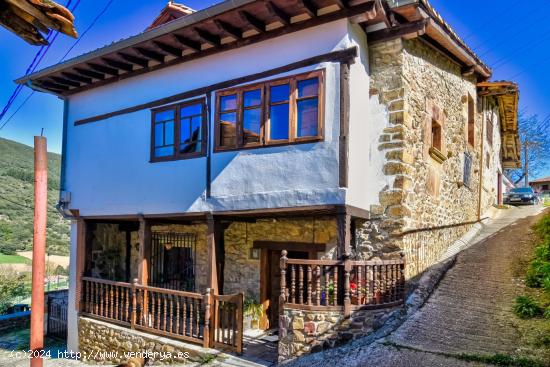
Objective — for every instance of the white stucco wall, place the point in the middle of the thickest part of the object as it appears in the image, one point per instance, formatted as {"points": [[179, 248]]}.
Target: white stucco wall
{"points": [[367, 120], [108, 169]]}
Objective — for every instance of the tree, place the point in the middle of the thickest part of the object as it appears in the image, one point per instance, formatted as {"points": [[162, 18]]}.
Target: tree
{"points": [[12, 287], [534, 134]]}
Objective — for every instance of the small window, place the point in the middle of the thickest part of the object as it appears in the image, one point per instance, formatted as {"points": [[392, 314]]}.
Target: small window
{"points": [[436, 135], [178, 131], [280, 111], [471, 121]]}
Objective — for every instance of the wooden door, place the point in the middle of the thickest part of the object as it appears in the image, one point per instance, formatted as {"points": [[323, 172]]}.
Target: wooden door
{"points": [[273, 286], [227, 322]]}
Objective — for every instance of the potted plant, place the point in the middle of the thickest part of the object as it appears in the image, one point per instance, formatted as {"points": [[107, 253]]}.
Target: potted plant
{"points": [[253, 311]]}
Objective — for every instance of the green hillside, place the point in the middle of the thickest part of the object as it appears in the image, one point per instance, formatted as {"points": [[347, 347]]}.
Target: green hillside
{"points": [[16, 200]]}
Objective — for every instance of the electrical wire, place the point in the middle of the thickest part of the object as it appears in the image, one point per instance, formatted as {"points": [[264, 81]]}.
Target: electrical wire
{"points": [[64, 56]]}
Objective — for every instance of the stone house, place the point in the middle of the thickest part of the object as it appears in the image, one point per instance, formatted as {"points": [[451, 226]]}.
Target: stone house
{"points": [[202, 164], [541, 185]]}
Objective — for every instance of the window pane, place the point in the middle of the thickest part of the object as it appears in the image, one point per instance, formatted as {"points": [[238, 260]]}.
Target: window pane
{"points": [[251, 124], [169, 133], [185, 134], [196, 128], [228, 102], [279, 122], [252, 98], [164, 115], [228, 129], [279, 93], [307, 117], [164, 152], [195, 109], [308, 87], [159, 134]]}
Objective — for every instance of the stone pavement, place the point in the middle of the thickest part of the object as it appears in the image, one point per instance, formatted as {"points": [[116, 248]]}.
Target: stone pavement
{"points": [[469, 312]]}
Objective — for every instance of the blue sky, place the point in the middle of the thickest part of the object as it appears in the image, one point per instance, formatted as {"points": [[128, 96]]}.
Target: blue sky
{"points": [[516, 45]]}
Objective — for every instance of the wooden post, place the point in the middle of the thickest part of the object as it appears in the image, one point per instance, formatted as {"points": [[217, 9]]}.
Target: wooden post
{"points": [[81, 253], [133, 316], [344, 122], [207, 325], [343, 219], [39, 248], [282, 296], [240, 326], [144, 235], [212, 275]]}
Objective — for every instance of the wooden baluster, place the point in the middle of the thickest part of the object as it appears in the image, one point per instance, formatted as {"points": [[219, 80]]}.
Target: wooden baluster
{"points": [[157, 296], [178, 300], [171, 314], [184, 326], [347, 289], [327, 285], [283, 296], [376, 269], [117, 303], [95, 311], [388, 283], [300, 284], [191, 314], [392, 283], [198, 317], [309, 281], [125, 302], [111, 302], [335, 283], [372, 284], [206, 333], [164, 309], [318, 285], [101, 299], [359, 284], [292, 283], [90, 300]]}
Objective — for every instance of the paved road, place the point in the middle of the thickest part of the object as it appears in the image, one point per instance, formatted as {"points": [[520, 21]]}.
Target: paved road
{"points": [[469, 312]]}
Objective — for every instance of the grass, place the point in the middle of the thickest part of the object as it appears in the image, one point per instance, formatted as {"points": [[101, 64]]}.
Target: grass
{"points": [[526, 307], [14, 259]]}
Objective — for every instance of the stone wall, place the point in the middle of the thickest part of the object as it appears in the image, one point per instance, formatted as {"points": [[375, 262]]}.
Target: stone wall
{"points": [[104, 343], [420, 85], [15, 321], [302, 332], [241, 273]]}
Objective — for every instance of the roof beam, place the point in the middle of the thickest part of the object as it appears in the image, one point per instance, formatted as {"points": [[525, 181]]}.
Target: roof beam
{"points": [[118, 64], [252, 21], [134, 59], [228, 29], [90, 73], [64, 81], [174, 51], [102, 69], [208, 37], [278, 13], [343, 4], [187, 43], [150, 54], [52, 85], [76, 77], [308, 7]]}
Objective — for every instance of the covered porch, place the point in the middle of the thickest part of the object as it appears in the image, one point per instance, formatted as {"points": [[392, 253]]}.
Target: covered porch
{"points": [[192, 278]]}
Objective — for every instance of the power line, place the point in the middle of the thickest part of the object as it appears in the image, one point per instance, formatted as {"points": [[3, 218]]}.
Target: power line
{"points": [[64, 56], [32, 66], [23, 205]]}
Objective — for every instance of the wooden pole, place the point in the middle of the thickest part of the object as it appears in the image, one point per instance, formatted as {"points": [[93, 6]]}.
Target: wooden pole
{"points": [[39, 249], [212, 275]]}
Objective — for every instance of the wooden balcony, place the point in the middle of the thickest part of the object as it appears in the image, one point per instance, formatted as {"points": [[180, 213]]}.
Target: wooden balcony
{"points": [[346, 285], [206, 319]]}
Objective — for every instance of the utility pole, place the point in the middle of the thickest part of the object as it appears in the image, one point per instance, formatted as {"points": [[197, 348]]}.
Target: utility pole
{"points": [[39, 249]]}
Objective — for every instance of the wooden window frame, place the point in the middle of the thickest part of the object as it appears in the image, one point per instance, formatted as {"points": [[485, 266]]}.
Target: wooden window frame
{"points": [[471, 121], [177, 131], [265, 112]]}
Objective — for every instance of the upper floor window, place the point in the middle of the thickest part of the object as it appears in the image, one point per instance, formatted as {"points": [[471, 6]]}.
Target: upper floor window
{"points": [[178, 131], [471, 121], [280, 111]]}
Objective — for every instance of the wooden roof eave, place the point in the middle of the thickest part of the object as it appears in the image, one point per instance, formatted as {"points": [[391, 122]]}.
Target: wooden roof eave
{"points": [[167, 45]]}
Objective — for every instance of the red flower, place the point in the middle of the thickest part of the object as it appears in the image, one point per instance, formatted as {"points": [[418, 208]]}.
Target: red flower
{"points": [[353, 286]]}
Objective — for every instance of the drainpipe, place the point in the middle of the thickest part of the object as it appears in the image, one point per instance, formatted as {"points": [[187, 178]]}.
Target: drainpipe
{"points": [[61, 205], [483, 108]]}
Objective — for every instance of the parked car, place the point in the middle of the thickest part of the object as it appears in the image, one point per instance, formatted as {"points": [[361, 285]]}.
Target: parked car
{"points": [[522, 195]]}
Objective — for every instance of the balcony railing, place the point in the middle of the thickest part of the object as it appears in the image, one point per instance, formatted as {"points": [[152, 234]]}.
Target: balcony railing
{"points": [[341, 284], [166, 312]]}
